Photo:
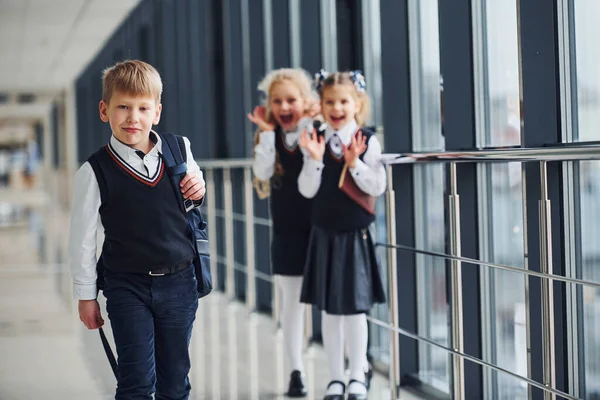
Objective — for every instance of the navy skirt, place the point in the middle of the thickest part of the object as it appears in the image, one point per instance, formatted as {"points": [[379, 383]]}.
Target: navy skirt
{"points": [[341, 275], [288, 253]]}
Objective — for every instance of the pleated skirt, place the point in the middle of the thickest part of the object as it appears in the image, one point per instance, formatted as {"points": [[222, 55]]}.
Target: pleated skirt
{"points": [[342, 272]]}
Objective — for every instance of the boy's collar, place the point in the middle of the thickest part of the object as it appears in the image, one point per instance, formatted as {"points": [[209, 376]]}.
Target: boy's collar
{"points": [[127, 152]]}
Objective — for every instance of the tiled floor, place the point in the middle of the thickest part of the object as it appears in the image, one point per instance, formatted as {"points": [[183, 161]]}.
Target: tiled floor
{"points": [[46, 353]]}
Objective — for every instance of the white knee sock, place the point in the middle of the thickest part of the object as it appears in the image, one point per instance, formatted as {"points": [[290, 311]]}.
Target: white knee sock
{"points": [[333, 341], [357, 335], [292, 320]]}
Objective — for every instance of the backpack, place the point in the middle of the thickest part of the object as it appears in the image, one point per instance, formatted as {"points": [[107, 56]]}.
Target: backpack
{"points": [[175, 157]]}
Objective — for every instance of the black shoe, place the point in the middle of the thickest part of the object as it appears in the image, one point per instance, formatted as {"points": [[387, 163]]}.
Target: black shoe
{"points": [[354, 396], [369, 376], [296, 388], [336, 396]]}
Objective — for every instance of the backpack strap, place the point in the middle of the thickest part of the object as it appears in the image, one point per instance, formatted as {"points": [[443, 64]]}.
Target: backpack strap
{"points": [[173, 155], [182, 148], [176, 166]]}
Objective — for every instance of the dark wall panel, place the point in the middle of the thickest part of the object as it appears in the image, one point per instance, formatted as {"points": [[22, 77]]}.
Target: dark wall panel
{"points": [[202, 133], [456, 55], [397, 118], [349, 35], [281, 33], [541, 105], [310, 32]]}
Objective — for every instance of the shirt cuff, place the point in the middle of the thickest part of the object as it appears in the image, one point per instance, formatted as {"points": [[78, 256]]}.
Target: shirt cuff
{"points": [[267, 138], [359, 168], [85, 292], [313, 167]]}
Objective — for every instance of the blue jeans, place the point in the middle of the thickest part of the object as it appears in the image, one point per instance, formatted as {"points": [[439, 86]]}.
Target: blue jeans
{"points": [[151, 319]]}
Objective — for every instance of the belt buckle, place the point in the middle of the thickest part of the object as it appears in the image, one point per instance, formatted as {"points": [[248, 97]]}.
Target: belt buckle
{"points": [[151, 274]]}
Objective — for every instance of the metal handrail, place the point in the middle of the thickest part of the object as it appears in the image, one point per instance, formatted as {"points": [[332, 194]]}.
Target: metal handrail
{"points": [[492, 265], [468, 357], [227, 163], [542, 155], [564, 152]]}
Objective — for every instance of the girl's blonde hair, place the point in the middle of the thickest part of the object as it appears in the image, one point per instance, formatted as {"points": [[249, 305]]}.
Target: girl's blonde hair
{"points": [[356, 81], [303, 81]]}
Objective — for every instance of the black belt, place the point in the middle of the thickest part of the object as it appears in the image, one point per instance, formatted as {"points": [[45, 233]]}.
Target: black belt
{"points": [[171, 269]]}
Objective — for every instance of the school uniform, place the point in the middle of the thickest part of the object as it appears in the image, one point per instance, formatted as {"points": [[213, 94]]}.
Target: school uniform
{"points": [[341, 275], [149, 283], [342, 271], [290, 211], [291, 218]]}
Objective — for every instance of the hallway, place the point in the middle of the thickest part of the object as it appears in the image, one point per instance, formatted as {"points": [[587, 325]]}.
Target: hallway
{"points": [[47, 353]]}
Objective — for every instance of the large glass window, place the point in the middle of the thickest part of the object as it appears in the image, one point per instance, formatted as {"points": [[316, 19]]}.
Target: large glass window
{"points": [[432, 303], [371, 38], [586, 79], [500, 196], [584, 111]]}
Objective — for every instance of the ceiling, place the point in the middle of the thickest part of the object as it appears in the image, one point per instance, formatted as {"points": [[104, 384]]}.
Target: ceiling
{"points": [[45, 44]]}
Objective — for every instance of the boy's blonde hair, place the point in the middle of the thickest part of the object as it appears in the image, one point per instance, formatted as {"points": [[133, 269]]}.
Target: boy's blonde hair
{"points": [[346, 78], [303, 81], [133, 77]]}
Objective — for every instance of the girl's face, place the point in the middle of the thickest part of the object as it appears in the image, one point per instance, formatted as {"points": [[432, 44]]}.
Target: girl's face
{"points": [[339, 105], [287, 104]]}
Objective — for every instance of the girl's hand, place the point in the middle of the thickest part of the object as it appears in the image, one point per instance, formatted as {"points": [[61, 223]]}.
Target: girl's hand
{"points": [[313, 144], [259, 117], [314, 109], [358, 145]]}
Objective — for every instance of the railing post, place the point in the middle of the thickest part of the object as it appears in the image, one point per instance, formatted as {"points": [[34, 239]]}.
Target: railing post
{"points": [[250, 264], [547, 287], [229, 254], [458, 370], [211, 219], [390, 205]]}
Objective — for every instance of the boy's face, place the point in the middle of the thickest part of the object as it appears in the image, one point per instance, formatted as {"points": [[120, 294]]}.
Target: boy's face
{"points": [[131, 118]]}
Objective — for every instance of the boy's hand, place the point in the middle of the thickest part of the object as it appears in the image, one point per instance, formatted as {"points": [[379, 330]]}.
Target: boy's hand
{"points": [[356, 148], [89, 314], [259, 117], [313, 144], [192, 186]]}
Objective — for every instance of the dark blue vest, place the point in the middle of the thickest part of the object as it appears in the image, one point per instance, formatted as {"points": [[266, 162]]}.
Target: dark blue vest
{"points": [[290, 211], [333, 210], [144, 228]]}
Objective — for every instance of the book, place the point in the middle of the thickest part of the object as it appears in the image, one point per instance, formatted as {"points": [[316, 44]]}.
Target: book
{"points": [[348, 186]]}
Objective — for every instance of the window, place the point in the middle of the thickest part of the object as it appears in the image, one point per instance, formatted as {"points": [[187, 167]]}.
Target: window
{"points": [[581, 101], [496, 58], [432, 303]]}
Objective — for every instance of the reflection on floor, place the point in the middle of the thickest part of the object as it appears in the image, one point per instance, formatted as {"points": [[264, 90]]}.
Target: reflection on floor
{"points": [[47, 353]]}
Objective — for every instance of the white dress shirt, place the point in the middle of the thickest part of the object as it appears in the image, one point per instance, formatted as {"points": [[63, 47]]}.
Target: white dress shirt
{"points": [[369, 174], [265, 153], [85, 216]]}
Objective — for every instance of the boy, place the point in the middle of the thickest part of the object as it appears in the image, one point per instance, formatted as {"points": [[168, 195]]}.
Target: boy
{"points": [[150, 286]]}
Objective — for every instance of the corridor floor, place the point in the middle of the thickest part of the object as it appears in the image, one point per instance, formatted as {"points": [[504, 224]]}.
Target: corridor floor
{"points": [[46, 353]]}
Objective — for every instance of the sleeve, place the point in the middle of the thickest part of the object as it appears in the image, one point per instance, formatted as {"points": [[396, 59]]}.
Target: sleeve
{"points": [[85, 221], [193, 167], [264, 156], [369, 174], [309, 179]]}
